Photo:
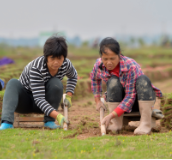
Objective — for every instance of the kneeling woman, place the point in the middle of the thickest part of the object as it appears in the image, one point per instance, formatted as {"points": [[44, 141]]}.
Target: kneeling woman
{"points": [[39, 88], [128, 89]]}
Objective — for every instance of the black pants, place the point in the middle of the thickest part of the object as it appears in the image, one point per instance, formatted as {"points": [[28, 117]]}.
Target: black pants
{"points": [[144, 91], [18, 99]]}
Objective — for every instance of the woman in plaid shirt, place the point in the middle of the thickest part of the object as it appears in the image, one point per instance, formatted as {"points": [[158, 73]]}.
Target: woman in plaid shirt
{"points": [[128, 89]]}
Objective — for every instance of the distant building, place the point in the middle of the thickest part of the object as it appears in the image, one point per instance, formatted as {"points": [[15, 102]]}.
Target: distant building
{"points": [[43, 36], [25, 42], [76, 41]]}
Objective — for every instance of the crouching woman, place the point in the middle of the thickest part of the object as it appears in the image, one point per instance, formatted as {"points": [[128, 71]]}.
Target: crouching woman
{"points": [[128, 89], [39, 88]]}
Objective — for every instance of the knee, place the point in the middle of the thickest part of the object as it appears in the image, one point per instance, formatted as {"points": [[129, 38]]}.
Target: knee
{"points": [[142, 82], [13, 83], [144, 88], [115, 91], [13, 88], [54, 84], [114, 84]]}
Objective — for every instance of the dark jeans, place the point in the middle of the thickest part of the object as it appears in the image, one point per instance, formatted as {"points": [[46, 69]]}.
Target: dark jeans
{"points": [[144, 91], [18, 99]]}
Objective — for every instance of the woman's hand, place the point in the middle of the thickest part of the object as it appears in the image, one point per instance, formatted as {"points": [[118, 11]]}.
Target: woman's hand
{"points": [[61, 119], [99, 105], [67, 101], [106, 120]]}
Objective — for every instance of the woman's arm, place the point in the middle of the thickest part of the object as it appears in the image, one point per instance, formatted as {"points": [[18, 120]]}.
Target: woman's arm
{"points": [[96, 85], [71, 73], [38, 90], [96, 81]]}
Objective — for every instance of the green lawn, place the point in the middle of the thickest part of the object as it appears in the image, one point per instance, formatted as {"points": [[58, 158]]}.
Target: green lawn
{"points": [[25, 143]]}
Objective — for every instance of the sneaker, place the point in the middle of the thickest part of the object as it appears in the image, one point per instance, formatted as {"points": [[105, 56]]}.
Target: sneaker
{"points": [[6, 126], [51, 125]]}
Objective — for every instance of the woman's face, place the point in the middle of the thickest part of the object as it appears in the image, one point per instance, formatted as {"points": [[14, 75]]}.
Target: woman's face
{"points": [[110, 59], [54, 63]]}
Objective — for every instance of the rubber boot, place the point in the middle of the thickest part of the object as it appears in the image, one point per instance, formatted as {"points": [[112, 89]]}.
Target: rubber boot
{"points": [[117, 122], [146, 122], [135, 124]]}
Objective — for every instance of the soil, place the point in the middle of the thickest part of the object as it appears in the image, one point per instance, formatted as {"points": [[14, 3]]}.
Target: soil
{"points": [[85, 120]]}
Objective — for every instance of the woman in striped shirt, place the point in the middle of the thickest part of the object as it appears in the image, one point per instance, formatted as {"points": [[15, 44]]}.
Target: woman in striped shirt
{"points": [[39, 88]]}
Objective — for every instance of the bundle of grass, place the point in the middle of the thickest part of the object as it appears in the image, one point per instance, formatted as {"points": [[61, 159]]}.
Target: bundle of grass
{"points": [[166, 107], [158, 75]]}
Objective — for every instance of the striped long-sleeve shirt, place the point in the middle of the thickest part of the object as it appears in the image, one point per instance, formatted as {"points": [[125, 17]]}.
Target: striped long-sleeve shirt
{"points": [[36, 74], [129, 72]]}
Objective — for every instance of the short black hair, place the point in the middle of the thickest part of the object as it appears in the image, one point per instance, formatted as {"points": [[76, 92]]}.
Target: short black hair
{"points": [[55, 46], [110, 43]]}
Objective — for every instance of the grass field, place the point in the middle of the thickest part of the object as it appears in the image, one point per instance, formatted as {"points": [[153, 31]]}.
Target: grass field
{"points": [[40, 143], [26, 144]]}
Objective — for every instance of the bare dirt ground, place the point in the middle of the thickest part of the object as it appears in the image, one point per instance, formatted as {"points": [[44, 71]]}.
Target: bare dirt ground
{"points": [[85, 119]]}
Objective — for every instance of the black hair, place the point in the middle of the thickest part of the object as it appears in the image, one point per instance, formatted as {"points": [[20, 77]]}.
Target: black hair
{"points": [[55, 46], [110, 43]]}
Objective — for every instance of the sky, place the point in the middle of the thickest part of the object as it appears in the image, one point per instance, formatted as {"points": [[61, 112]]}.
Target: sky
{"points": [[85, 18]]}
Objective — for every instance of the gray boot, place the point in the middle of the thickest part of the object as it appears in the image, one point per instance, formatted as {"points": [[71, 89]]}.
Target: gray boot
{"points": [[117, 122], [146, 122]]}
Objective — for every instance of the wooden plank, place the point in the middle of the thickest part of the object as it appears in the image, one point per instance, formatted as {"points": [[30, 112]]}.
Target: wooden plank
{"points": [[31, 125], [132, 114], [16, 124], [29, 119]]}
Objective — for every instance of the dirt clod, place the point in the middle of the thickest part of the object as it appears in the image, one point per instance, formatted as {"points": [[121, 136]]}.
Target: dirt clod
{"points": [[35, 142]]}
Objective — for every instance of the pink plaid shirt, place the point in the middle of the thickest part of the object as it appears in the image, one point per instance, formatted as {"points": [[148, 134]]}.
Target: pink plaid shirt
{"points": [[129, 72]]}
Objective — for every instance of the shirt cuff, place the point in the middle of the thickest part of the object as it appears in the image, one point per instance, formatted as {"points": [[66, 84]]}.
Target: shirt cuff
{"points": [[119, 111]]}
